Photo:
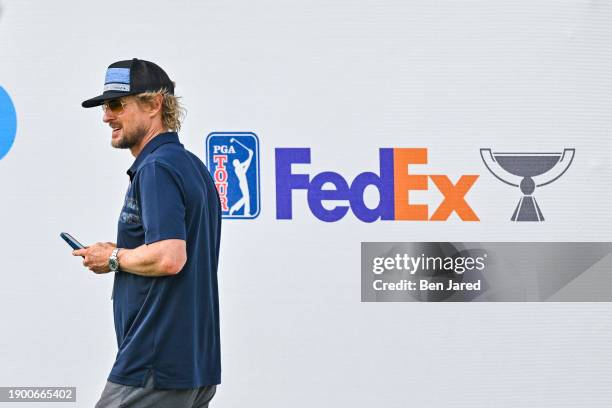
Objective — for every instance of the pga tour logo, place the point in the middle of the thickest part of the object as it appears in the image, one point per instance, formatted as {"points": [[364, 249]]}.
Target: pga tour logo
{"points": [[233, 160]]}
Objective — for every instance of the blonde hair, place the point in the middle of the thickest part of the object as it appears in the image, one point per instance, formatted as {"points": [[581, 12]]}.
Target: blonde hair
{"points": [[172, 109]]}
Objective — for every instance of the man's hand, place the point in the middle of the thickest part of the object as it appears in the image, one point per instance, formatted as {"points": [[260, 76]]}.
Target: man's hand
{"points": [[96, 256]]}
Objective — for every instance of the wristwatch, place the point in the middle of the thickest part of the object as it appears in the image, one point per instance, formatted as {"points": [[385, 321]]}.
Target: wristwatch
{"points": [[113, 262]]}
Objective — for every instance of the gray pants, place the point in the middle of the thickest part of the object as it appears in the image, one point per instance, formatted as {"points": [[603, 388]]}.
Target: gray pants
{"points": [[125, 396]]}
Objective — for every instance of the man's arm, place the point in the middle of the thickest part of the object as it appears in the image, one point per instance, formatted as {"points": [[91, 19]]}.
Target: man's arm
{"points": [[162, 210], [161, 258], [247, 162]]}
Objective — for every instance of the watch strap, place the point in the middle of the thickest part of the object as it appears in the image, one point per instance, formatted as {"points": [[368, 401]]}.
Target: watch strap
{"points": [[113, 257]]}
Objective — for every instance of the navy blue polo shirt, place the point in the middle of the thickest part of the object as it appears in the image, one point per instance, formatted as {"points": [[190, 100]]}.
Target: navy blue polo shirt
{"points": [[169, 326]]}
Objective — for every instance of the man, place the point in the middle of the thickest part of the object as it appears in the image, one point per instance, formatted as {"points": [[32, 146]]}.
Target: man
{"points": [[165, 296]]}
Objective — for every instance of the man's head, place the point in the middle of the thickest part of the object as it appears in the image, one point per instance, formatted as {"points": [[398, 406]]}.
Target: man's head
{"points": [[138, 99]]}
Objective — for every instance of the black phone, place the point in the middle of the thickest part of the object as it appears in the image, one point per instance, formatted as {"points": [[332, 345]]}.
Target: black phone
{"points": [[71, 241]]}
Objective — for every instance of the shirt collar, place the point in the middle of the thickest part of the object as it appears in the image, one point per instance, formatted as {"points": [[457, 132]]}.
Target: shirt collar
{"points": [[162, 138]]}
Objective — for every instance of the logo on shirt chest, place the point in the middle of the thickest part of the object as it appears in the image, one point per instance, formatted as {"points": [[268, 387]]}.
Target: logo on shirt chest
{"points": [[130, 214], [233, 160]]}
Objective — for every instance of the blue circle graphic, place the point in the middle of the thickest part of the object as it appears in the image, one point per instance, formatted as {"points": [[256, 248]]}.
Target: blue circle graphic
{"points": [[8, 123]]}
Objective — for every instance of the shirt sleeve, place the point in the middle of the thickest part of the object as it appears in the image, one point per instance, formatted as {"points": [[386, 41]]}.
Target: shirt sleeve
{"points": [[162, 203]]}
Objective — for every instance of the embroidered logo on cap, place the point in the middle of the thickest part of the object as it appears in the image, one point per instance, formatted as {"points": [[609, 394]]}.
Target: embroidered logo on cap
{"points": [[117, 79]]}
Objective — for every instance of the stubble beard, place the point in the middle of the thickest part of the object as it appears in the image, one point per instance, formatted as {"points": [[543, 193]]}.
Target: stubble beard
{"points": [[130, 139]]}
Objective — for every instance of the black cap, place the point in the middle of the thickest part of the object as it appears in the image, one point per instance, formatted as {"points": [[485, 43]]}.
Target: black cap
{"points": [[131, 77]]}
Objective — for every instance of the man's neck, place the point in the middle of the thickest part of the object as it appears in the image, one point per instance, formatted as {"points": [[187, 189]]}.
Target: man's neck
{"points": [[154, 131]]}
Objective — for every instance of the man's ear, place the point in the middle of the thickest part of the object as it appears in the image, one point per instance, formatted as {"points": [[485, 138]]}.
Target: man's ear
{"points": [[156, 105]]}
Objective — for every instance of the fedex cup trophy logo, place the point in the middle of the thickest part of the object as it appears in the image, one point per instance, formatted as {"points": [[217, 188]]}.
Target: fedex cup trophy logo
{"points": [[527, 171], [233, 161], [8, 123]]}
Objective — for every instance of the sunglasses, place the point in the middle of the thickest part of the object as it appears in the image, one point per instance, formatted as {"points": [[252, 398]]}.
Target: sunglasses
{"points": [[116, 106]]}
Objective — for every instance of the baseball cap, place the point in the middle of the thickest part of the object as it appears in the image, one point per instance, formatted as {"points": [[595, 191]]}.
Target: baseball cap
{"points": [[131, 77]]}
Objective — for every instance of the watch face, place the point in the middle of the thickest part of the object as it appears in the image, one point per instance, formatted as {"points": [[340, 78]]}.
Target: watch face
{"points": [[113, 264]]}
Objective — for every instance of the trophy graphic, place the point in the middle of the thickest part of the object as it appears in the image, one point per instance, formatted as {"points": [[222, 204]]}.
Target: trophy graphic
{"points": [[527, 171]]}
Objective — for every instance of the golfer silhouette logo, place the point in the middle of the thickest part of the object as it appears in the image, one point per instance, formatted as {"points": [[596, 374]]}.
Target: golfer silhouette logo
{"points": [[240, 169], [233, 160]]}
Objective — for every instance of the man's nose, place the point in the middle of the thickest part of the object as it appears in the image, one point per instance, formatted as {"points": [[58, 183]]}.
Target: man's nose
{"points": [[108, 116]]}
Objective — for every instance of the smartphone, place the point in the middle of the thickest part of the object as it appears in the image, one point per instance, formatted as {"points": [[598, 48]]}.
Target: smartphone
{"points": [[71, 241]]}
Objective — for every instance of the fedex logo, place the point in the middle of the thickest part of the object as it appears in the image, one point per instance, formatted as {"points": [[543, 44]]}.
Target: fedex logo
{"points": [[394, 183]]}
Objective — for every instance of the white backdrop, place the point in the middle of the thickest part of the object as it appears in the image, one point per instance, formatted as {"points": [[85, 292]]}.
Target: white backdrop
{"points": [[343, 78]]}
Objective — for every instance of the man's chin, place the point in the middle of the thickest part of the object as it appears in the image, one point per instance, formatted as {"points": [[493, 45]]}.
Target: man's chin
{"points": [[123, 140], [119, 143]]}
